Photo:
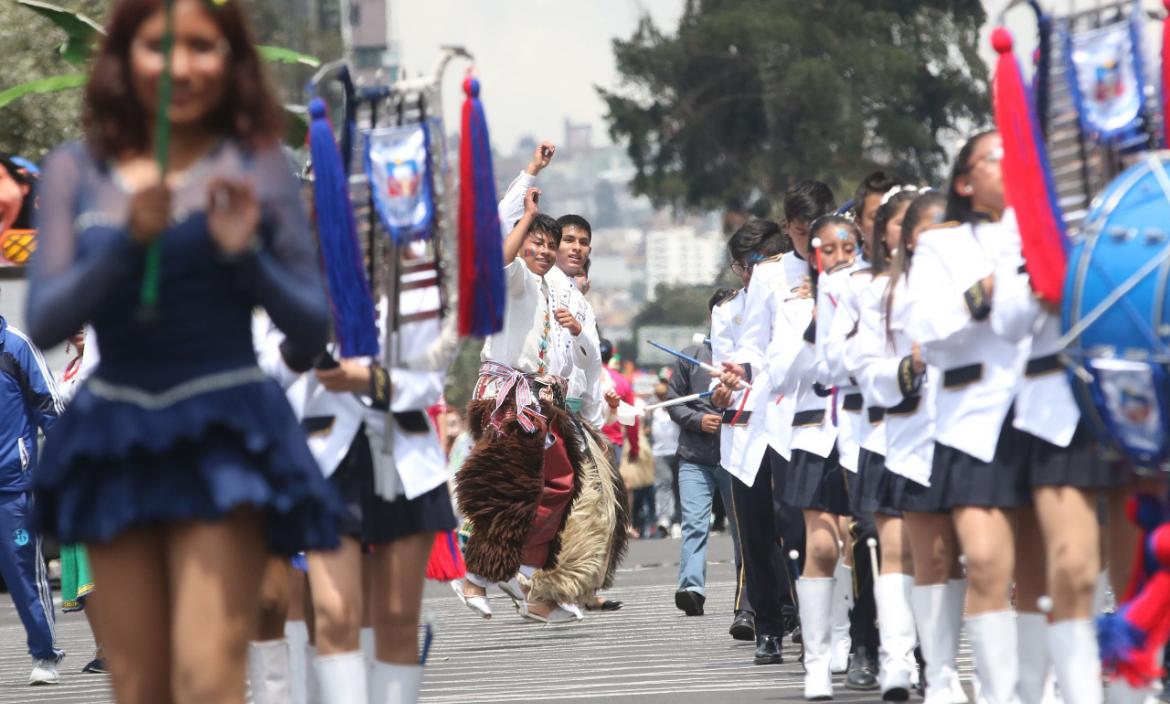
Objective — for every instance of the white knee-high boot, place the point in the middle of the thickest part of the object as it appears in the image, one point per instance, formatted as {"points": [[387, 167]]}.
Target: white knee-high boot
{"points": [[1032, 645], [842, 605], [297, 636], [342, 678], [815, 597], [1072, 646], [268, 671], [997, 664], [936, 634], [395, 684], [896, 630], [956, 601], [366, 638]]}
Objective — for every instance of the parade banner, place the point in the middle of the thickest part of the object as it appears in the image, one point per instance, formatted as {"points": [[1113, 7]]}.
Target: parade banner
{"points": [[397, 164], [1105, 77]]}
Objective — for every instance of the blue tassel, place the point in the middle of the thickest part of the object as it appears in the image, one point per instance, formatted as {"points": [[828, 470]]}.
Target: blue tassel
{"points": [[354, 318], [1117, 638]]}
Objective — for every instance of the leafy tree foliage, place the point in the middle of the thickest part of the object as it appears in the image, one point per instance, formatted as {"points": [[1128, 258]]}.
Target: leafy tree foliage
{"points": [[34, 124], [751, 95]]}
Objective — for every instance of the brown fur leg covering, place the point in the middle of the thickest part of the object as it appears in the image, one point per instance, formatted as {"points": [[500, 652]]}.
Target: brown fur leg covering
{"points": [[499, 489]]}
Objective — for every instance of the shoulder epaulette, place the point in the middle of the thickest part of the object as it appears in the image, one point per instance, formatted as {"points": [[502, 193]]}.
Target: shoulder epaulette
{"points": [[730, 298]]}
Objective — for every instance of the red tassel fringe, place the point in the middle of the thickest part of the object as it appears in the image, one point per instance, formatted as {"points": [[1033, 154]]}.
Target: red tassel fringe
{"points": [[1025, 181]]}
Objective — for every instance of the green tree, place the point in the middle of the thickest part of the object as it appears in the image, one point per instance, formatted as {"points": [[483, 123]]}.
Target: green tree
{"points": [[35, 123], [751, 95]]}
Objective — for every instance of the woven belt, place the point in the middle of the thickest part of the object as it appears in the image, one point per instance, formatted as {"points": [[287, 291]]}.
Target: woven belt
{"points": [[853, 403], [876, 414], [729, 415], [1043, 365], [961, 376], [907, 407], [517, 385], [808, 418]]}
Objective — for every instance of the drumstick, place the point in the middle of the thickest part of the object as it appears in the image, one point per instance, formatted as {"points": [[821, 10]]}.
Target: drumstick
{"points": [[702, 365], [148, 296], [677, 401]]}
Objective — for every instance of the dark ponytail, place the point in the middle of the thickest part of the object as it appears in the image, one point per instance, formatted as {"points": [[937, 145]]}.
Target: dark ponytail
{"points": [[900, 263]]}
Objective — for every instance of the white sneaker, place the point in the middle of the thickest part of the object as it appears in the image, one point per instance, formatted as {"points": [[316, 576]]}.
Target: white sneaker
{"points": [[44, 672], [676, 531], [573, 609]]}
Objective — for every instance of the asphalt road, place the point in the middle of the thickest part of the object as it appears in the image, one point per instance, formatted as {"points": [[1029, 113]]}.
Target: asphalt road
{"points": [[647, 652]]}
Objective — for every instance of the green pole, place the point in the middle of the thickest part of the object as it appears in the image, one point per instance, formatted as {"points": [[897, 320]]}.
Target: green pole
{"points": [[162, 143]]}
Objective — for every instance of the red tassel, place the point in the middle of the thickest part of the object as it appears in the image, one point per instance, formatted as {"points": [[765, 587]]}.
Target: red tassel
{"points": [[1149, 613], [466, 223], [446, 561], [1166, 77], [1026, 184]]}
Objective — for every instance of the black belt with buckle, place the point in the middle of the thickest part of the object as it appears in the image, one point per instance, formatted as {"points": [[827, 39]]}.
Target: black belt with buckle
{"points": [[729, 417], [1043, 365], [807, 418], [906, 407], [853, 403], [876, 414], [961, 376]]}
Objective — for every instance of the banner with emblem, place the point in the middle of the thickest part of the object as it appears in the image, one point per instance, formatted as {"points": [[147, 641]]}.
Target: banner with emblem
{"points": [[398, 166], [1132, 404], [1105, 77]]}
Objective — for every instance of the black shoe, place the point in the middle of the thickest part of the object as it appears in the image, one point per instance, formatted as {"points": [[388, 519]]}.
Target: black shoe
{"points": [[743, 627], [689, 601], [97, 666], [768, 650], [862, 671]]}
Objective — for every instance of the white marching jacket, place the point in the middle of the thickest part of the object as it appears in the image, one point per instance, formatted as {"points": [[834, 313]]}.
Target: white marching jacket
{"points": [[947, 263], [410, 462], [877, 364], [1044, 405], [792, 362], [836, 317], [847, 327], [742, 447]]}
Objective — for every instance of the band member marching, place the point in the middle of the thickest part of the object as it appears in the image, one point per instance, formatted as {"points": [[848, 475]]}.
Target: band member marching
{"points": [[979, 468]]}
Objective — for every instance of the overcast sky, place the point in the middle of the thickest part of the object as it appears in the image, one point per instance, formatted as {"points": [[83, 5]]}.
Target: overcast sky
{"points": [[538, 59]]}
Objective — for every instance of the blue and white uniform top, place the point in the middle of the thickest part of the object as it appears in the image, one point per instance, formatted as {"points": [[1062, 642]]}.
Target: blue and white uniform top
{"points": [[980, 370], [882, 366], [177, 421], [29, 402]]}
